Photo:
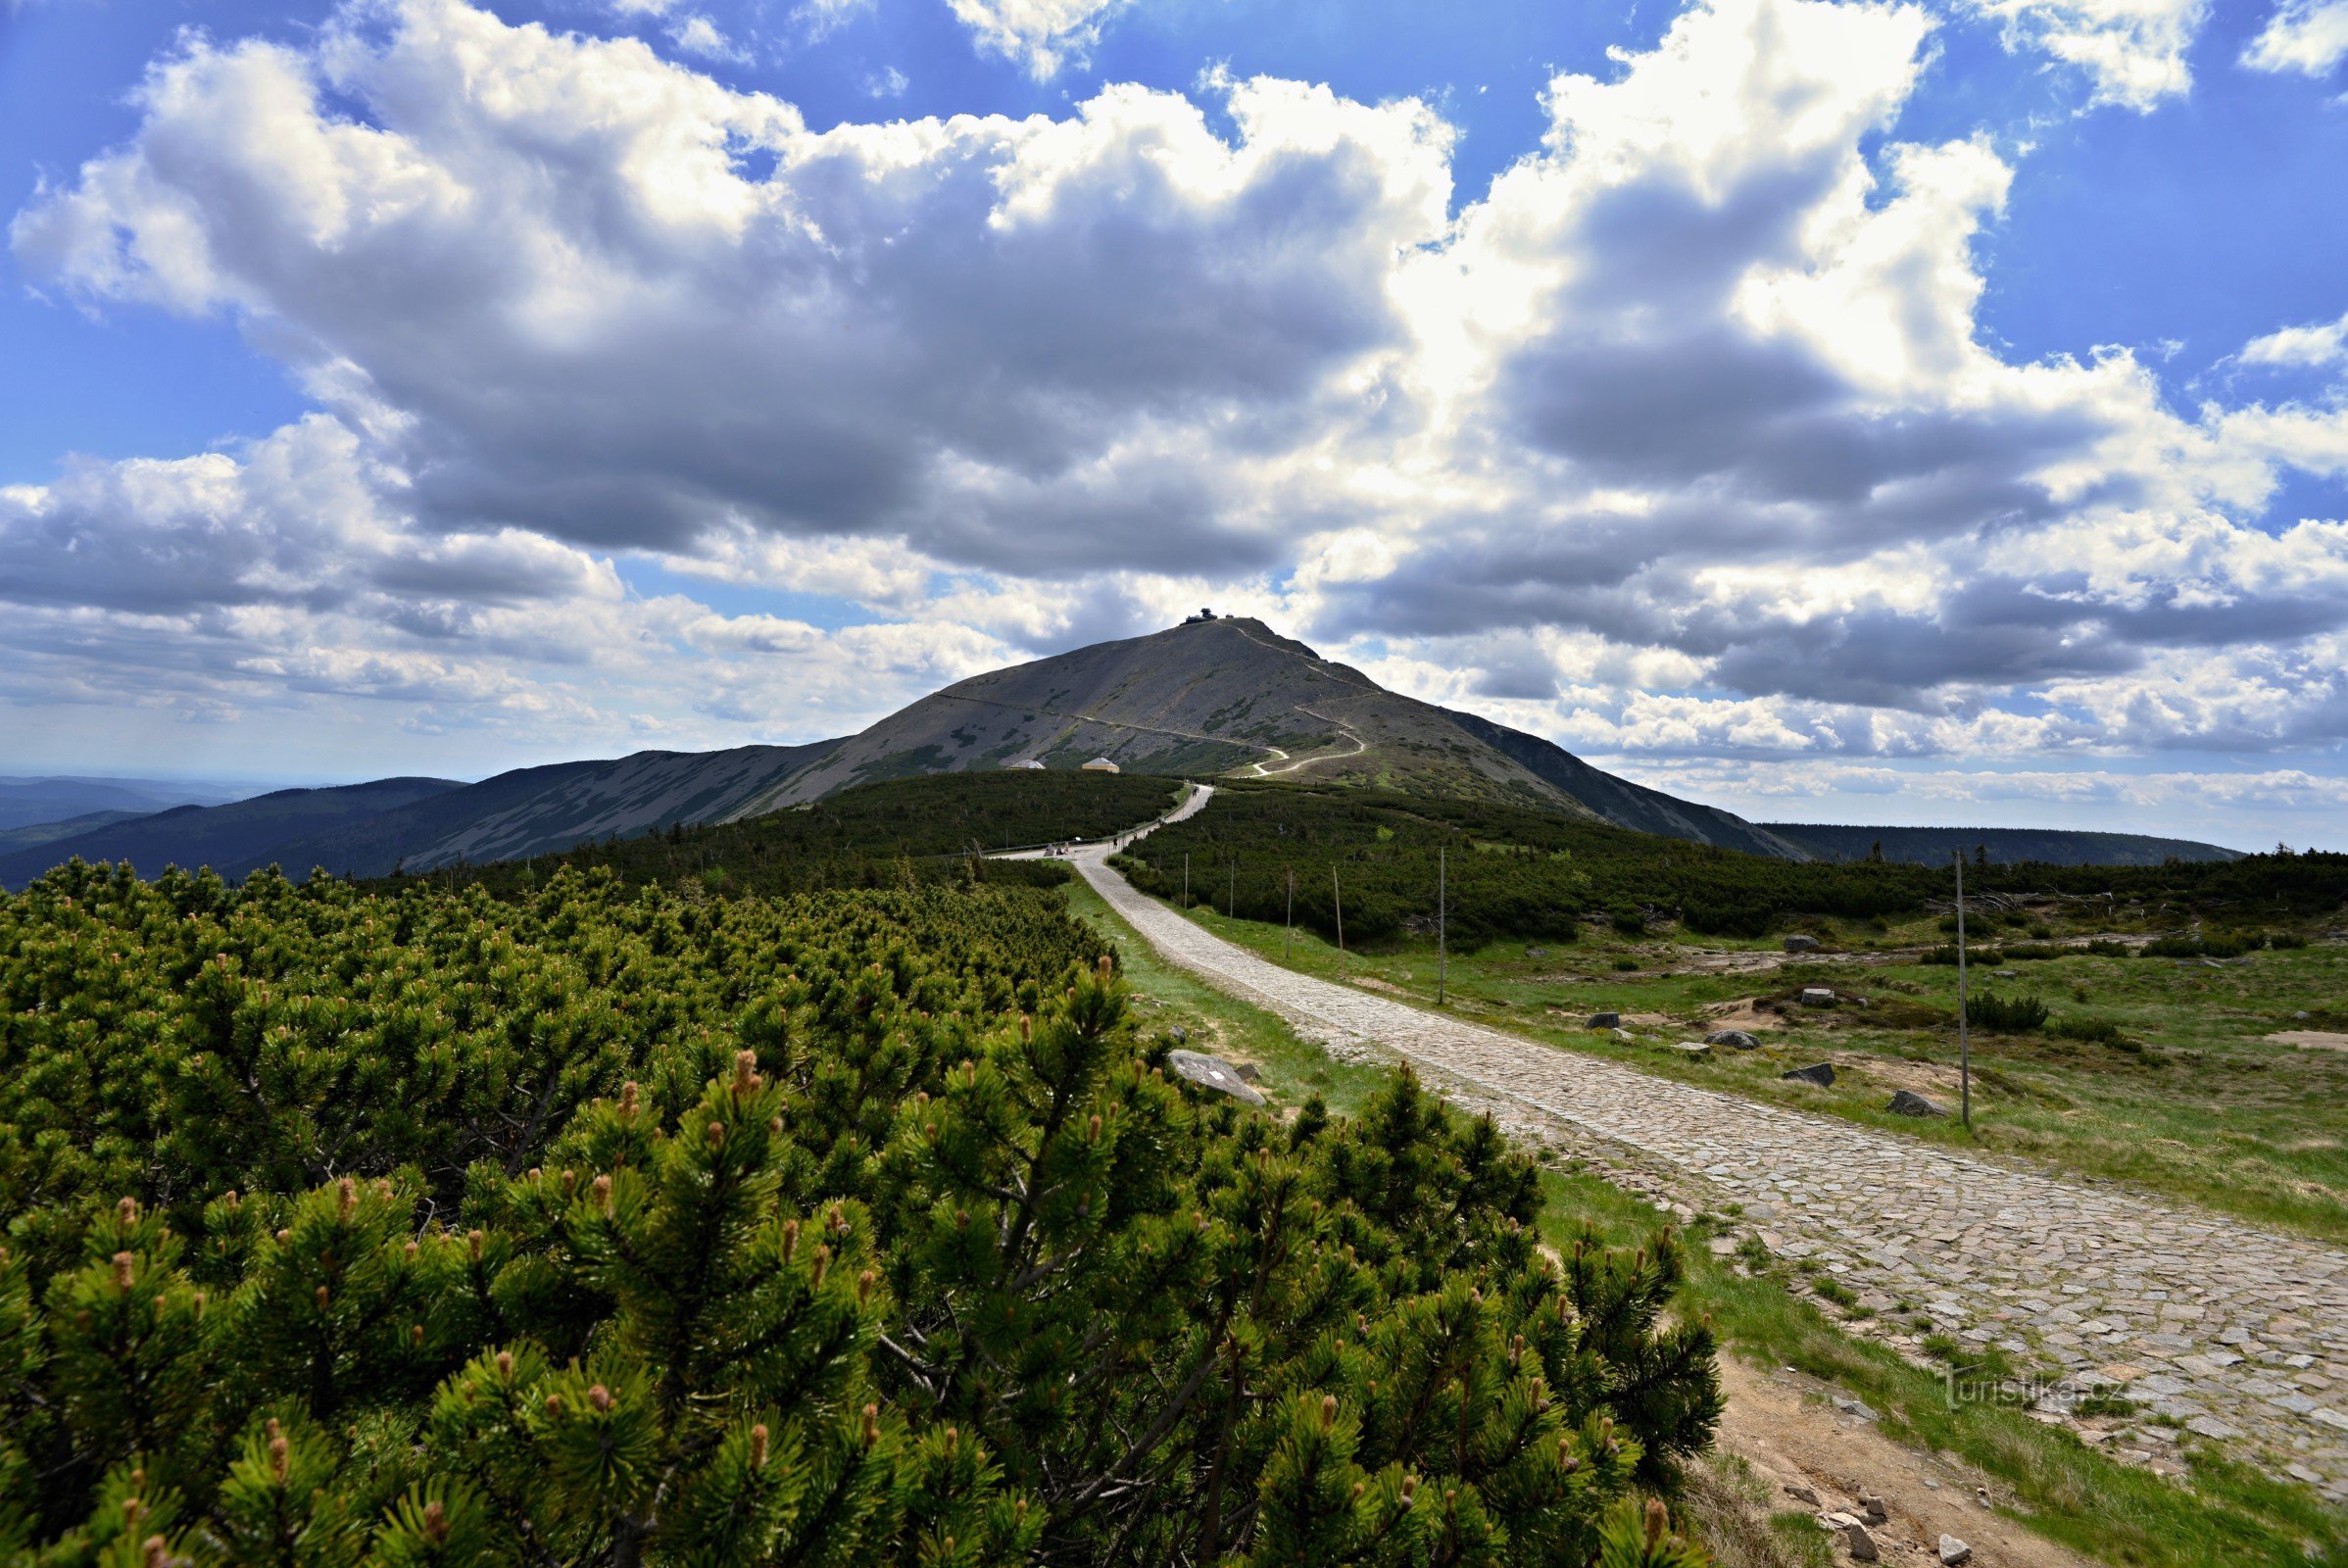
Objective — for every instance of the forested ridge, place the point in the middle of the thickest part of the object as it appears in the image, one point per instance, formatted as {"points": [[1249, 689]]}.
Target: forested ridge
{"points": [[603, 1224], [904, 831], [1526, 873]]}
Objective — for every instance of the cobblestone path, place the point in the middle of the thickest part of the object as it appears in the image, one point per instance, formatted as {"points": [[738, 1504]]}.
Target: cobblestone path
{"points": [[2238, 1332]]}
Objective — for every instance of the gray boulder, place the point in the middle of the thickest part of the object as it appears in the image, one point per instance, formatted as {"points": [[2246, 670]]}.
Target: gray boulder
{"points": [[1605, 1020], [1179, 1035], [1817, 996], [1818, 1074], [1693, 1048], [1906, 1104], [1802, 943], [1213, 1073], [1732, 1037], [1862, 1544], [1953, 1552]]}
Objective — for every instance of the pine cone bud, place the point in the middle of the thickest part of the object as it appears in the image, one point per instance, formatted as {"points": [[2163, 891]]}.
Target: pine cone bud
{"points": [[823, 1263], [1027, 1027], [122, 1262], [505, 1363], [757, 1446], [600, 1397], [346, 1198], [322, 1298], [717, 1134], [571, 1183], [284, 1236], [554, 1405], [864, 1283], [627, 1098], [871, 1425], [1092, 1129], [953, 1441], [127, 1210], [436, 1522], [1328, 1411], [281, 1458], [790, 1239], [472, 1242], [1656, 1520], [415, 1333], [602, 1188]]}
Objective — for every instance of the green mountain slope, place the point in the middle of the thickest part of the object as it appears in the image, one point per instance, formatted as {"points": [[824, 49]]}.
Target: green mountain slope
{"points": [[2006, 846]]}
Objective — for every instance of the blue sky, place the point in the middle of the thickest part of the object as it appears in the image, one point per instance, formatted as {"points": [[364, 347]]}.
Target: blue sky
{"points": [[1832, 411]]}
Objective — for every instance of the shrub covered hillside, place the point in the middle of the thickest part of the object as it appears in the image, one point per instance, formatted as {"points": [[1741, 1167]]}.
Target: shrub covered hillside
{"points": [[892, 834], [1533, 874], [608, 1226]]}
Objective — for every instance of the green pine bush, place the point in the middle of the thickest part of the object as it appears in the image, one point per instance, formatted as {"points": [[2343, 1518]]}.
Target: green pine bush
{"points": [[619, 1226]]}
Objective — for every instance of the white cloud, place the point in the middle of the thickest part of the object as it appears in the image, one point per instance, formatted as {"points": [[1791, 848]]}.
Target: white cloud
{"points": [[1043, 36], [2309, 36], [2133, 51], [2320, 344], [1681, 440], [699, 36]]}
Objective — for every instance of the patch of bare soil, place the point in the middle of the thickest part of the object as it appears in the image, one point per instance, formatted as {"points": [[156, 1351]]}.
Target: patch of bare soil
{"points": [[1918, 1077], [1370, 982], [2310, 1039], [1783, 1424], [1740, 1014]]}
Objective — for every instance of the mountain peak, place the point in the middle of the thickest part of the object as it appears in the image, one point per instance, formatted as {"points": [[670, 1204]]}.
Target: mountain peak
{"points": [[1230, 696]]}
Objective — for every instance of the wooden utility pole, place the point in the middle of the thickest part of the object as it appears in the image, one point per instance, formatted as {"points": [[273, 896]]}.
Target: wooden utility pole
{"points": [[1442, 950], [1964, 1032], [1186, 879], [1231, 894], [1289, 941], [1338, 894]]}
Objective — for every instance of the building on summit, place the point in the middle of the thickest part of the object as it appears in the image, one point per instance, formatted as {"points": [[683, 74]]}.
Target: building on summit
{"points": [[1101, 764], [1028, 763]]}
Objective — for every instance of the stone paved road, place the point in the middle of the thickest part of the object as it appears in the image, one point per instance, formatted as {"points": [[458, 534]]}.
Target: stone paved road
{"points": [[2240, 1333]]}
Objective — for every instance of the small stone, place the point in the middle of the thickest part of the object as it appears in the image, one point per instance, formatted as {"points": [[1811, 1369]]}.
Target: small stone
{"points": [[1906, 1104], [1858, 1407], [2208, 1426], [1179, 1035], [1953, 1552], [1623, 1034], [1605, 1020], [1803, 1495], [1213, 1073], [1861, 1543], [1802, 943], [1249, 1072], [1693, 1048], [1818, 1074], [1732, 1037], [1817, 996]]}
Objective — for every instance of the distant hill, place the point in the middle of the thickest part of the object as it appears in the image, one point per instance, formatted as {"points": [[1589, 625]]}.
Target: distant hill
{"points": [[37, 802], [24, 838], [536, 810], [1232, 696], [228, 838], [2006, 846]]}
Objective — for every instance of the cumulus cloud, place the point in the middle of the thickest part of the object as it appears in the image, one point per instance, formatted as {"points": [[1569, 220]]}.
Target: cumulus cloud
{"points": [[2309, 36], [2324, 343], [1680, 439], [2132, 51], [1043, 36]]}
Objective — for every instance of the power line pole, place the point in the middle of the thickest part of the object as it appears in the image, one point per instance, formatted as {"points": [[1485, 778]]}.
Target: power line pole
{"points": [[1964, 1034], [1289, 941], [1338, 894], [1443, 948], [1186, 879], [1231, 895]]}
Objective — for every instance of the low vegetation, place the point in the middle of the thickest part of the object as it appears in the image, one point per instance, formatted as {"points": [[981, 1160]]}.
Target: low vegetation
{"points": [[1370, 859], [601, 1224]]}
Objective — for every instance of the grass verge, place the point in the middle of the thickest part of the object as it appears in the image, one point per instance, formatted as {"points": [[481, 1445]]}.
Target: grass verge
{"points": [[2231, 1514]]}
